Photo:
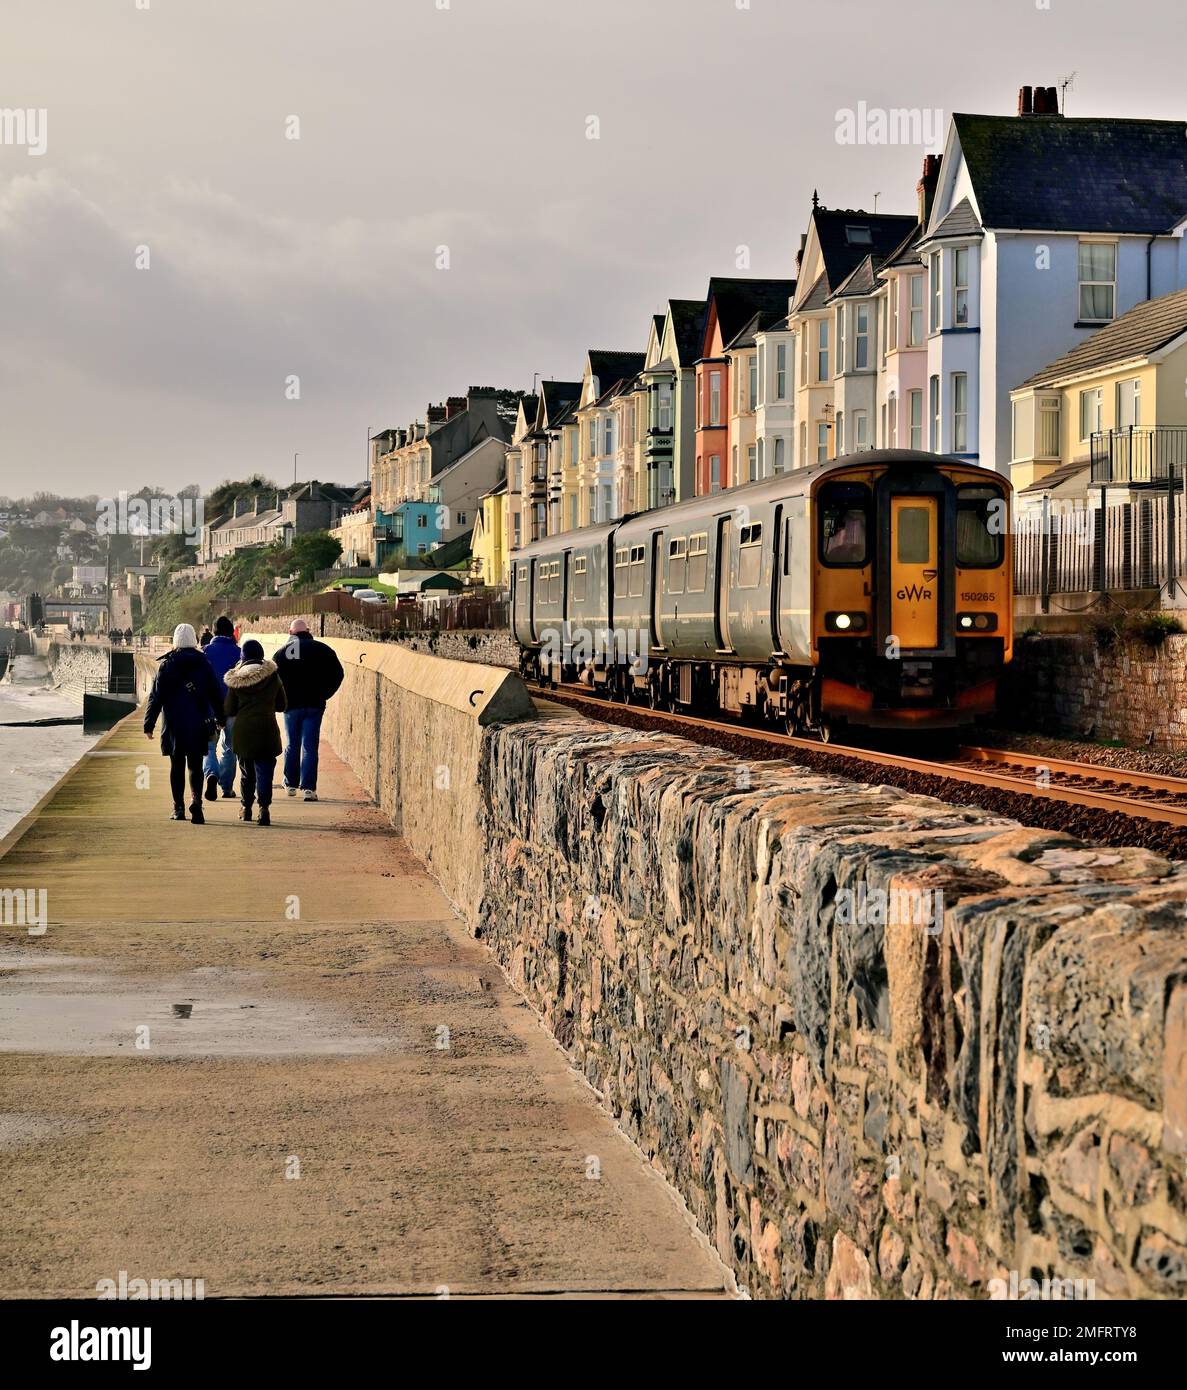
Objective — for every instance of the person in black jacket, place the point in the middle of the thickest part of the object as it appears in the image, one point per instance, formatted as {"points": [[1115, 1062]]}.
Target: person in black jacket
{"points": [[186, 693], [311, 673]]}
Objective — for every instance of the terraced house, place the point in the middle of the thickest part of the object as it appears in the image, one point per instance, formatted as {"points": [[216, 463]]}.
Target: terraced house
{"points": [[598, 416], [670, 375], [834, 322], [735, 309], [1044, 228]]}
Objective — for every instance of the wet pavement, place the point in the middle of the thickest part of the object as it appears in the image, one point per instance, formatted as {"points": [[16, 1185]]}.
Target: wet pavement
{"points": [[357, 1103]]}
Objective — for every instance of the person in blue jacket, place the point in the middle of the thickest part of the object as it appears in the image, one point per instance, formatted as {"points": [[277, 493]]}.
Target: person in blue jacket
{"points": [[185, 695], [222, 651]]}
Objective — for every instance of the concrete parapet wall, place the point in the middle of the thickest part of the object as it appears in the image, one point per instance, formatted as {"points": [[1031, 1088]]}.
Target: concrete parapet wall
{"points": [[1072, 686], [411, 727], [487, 648]]}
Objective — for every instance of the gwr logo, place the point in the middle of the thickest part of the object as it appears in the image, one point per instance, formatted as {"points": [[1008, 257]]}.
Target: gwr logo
{"points": [[914, 592]]}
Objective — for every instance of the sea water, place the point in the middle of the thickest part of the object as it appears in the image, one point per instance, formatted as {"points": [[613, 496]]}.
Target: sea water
{"points": [[33, 757]]}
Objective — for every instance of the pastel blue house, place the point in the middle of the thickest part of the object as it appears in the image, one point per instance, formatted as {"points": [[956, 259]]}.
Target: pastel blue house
{"points": [[413, 528], [1043, 228]]}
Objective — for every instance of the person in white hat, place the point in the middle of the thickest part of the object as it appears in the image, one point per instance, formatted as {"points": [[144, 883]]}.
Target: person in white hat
{"points": [[186, 696]]}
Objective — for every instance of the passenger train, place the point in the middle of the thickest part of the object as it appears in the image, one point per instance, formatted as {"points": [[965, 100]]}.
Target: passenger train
{"points": [[874, 589]]}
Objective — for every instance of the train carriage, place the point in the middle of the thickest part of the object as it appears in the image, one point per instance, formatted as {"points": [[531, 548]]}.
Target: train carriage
{"points": [[874, 589]]}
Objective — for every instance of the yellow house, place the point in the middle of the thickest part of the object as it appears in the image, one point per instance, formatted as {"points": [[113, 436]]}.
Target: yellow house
{"points": [[1112, 412], [490, 545], [570, 507]]}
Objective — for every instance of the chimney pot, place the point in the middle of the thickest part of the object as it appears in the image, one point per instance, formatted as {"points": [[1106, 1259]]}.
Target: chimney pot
{"points": [[1025, 101]]}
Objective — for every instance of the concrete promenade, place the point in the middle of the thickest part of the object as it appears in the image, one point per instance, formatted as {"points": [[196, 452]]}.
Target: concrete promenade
{"points": [[358, 1102]]}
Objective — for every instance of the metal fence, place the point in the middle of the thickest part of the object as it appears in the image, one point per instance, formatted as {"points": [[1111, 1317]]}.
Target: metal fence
{"points": [[1133, 545], [486, 610]]}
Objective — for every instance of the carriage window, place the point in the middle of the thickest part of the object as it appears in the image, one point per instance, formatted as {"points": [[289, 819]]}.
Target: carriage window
{"points": [[677, 551], [914, 536], [579, 566], [698, 552], [638, 554], [844, 524], [749, 556], [979, 523]]}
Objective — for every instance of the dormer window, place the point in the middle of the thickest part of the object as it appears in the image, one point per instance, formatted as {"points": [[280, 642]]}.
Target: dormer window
{"points": [[859, 236]]}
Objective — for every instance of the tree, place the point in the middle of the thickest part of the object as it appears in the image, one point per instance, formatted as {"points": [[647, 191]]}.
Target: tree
{"points": [[316, 550]]}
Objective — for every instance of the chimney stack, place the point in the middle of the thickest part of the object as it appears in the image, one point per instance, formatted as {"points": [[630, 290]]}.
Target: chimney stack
{"points": [[435, 414], [1025, 101], [925, 189], [454, 405]]}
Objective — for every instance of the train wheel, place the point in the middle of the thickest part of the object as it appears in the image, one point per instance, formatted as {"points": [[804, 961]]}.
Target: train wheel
{"points": [[825, 729], [655, 696]]}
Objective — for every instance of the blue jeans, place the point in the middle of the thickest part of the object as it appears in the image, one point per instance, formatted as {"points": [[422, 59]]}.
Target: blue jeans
{"points": [[220, 759], [255, 780], [303, 727]]}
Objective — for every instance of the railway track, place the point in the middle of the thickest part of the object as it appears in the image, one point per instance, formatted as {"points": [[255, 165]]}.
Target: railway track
{"points": [[1107, 804]]}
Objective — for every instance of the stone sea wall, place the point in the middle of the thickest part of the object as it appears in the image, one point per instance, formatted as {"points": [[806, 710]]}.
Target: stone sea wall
{"points": [[1070, 685], [72, 666], [853, 1107]]}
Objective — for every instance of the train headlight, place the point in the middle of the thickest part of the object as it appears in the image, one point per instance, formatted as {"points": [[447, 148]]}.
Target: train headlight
{"points": [[976, 622], [845, 622]]}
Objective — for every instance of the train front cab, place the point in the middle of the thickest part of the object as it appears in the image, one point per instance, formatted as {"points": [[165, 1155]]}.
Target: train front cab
{"points": [[913, 593]]}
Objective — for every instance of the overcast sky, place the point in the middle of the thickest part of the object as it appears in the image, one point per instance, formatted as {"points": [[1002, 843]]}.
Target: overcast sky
{"points": [[422, 127]]}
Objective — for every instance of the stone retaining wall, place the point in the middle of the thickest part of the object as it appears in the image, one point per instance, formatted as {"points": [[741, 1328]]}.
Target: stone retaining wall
{"points": [[1069, 685], [71, 666], [852, 1108]]}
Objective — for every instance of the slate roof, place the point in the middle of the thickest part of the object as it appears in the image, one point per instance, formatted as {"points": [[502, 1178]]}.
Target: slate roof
{"points": [[688, 327], [907, 251], [860, 281], [817, 296], [738, 301], [1065, 473], [961, 221], [446, 556], [554, 395], [843, 253], [1143, 330], [1052, 173], [612, 367]]}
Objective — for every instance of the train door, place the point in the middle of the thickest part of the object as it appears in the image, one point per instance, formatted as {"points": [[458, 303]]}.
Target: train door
{"points": [[722, 601], [914, 572], [777, 544], [531, 600], [657, 560]]}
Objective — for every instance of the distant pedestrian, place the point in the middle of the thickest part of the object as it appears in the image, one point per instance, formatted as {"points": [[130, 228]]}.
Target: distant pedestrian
{"points": [[311, 673], [186, 694], [222, 652], [128, 635], [254, 698], [207, 637]]}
